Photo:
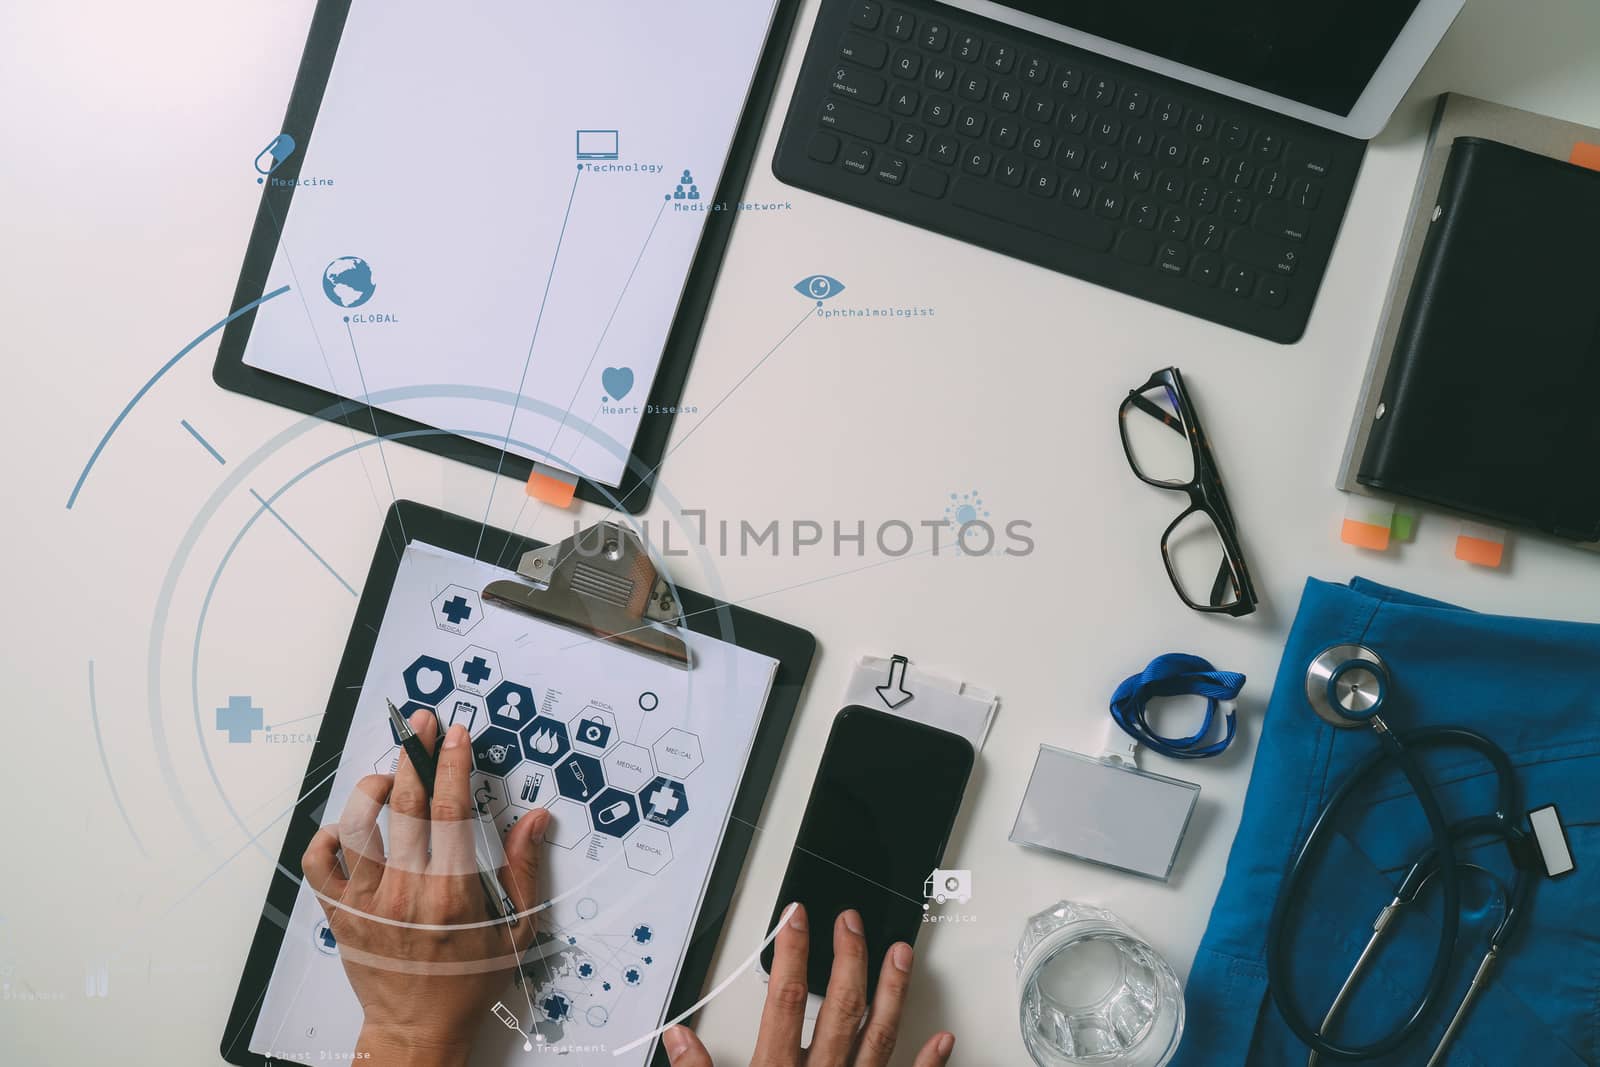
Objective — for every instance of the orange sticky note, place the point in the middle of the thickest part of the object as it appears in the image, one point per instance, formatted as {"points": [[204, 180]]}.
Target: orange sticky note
{"points": [[1365, 535], [551, 488], [1482, 546], [1367, 523], [1585, 155]]}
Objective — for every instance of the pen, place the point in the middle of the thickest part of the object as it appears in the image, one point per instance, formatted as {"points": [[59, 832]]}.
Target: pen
{"points": [[422, 761]]}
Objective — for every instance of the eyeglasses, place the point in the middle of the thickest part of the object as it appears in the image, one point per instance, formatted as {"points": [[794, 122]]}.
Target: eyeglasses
{"points": [[1166, 448]]}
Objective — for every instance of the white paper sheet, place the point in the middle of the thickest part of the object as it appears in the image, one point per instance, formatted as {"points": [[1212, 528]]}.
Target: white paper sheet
{"points": [[451, 137], [669, 745]]}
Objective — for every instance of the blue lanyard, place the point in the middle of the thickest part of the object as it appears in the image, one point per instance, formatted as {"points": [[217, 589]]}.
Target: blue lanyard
{"points": [[1176, 674]]}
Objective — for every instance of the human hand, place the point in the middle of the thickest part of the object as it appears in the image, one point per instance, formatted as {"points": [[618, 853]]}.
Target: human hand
{"points": [[414, 931], [839, 1039]]}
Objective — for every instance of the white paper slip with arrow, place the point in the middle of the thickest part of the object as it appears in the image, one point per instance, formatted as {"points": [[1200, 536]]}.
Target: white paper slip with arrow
{"points": [[896, 686]]}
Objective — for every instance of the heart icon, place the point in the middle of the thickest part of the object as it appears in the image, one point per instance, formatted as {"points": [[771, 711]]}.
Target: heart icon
{"points": [[618, 381], [429, 680]]}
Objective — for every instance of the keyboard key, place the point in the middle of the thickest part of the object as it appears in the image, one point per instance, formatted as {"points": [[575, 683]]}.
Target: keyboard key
{"points": [[1078, 193], [1205, 162], [866, 14], [970, 122], [941, 75], [823, 147], [1168, 112], [1104, 164], [1007, 96], [907, 64], [935, 35], [1009, 171], [1075, 228], [909, 139], [1198, 124], [1134, 102], [1172, 258], [1270, 183], [1305, 155], [1272, 292], [1137, 174], [1144, 214], [1108, 203], [937, 111], [943, 148], [1135, 246], [1278, 219], [1004, 133], [1069, 80], [928, 181], [867, 51], [1107, 130], [1233, 135], [901, 25], [1169, 183], [1175, 223], [903, 101], [858, 84], [1071, 155], [1038, 143], [891, 171], [1040, 107], [1208, 235], [1238, 172], [1236, 208], [857, 159], [1238, 281], [1203, 197], [973, 87], [1074, 119], [1256, 249], [969, 46], [1035, 70], [1205, 270], [977, 161], [855, 121], [1171, 151], [1102, 91], [1139, 139], [1267, 145], [1305, 193], [1000, 58], [1042, 181]]}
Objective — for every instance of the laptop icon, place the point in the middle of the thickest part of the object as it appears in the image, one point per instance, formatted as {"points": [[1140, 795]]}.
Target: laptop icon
{"points": [[597, 144]]}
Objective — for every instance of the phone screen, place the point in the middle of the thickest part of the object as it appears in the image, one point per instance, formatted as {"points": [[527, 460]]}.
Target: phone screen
{"points": [[881, 811]]}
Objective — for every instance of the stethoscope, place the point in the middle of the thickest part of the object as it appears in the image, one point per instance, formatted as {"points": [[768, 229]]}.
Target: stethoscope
{"points": [[1346, 685]]}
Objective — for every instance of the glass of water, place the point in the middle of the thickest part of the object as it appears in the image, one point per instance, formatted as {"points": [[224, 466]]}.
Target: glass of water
{"points": [[1093, 992]]}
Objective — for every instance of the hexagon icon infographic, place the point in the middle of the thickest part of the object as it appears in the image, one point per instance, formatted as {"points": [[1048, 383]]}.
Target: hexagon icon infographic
{"points": [[648, 850], [628, 766], [594, 730], [677, 753], [580, 777], [569, 823], [496, 751], [457, 610], [664, 801], [511, 705], [477, 670], [488, 796], [428, 680], [615, 812], [531, 785], [389, 762], [463, 709], [545, 740]]}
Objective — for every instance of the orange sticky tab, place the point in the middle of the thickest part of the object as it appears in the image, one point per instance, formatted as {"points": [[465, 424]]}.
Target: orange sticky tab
{"points": [[1585, 155], [551, 489], [1365, 535], [1482, 546]]}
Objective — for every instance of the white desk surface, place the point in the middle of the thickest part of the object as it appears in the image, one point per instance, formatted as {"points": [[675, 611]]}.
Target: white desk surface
{"points": [[124, 219]]}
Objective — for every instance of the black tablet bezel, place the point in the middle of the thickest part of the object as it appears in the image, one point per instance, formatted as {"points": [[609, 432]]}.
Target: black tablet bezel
{"points": [[406, 521], [632, 495]]}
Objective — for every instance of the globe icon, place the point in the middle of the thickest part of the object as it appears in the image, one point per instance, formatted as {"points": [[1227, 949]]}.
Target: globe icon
{"points": [[348, 281]]}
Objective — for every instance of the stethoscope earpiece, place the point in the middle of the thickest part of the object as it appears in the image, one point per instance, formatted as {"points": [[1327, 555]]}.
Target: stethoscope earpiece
{"points": [[1346, 685]]}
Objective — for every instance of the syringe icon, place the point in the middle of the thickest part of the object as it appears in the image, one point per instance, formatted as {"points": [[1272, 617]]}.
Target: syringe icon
{"points": [[503, 1013]]}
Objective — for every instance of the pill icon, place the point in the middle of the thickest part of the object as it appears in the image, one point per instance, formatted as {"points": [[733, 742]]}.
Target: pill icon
{"points": [[271, 157], [613, 813]]}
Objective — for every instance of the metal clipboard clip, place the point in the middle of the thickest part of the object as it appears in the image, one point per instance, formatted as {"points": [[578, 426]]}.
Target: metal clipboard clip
{"points": [[599, 581]]}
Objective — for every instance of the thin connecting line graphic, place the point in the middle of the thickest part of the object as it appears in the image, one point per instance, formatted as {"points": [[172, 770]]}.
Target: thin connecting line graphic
{"points": [[366, 398], [270, 510], [544, 302]]}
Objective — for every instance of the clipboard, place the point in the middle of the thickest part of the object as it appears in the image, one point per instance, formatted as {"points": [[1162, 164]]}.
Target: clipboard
{"points": [[578, 601], [632, 494]]}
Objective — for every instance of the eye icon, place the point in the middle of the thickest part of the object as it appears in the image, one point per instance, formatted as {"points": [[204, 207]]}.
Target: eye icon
{"points": [[819, 287]]}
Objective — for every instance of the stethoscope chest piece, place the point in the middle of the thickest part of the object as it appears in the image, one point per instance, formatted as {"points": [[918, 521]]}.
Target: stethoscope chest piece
{"points": [[1346, 684]]}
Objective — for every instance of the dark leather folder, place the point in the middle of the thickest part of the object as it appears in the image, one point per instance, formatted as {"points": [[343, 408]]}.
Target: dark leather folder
{"points": [[1492, 401]]}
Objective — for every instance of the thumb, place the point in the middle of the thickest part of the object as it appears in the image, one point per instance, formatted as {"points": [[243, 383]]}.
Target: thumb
{"points": [[522, 875], [684, 1048]]}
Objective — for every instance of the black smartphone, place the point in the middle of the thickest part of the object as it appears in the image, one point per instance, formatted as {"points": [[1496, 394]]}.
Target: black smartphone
{"points": [[880, 814]]}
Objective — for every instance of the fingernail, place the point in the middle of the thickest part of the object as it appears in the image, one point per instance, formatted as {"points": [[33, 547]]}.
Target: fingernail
{"points": [[456, 736], [901, 956], [852, 922], [540, 820], [947, 1044], [676, 1041], [797, 920]]}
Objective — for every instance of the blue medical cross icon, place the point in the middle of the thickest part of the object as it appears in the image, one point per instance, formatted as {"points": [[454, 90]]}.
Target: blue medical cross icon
{"points": [[457, 610], [475, 670], [240, 720]]}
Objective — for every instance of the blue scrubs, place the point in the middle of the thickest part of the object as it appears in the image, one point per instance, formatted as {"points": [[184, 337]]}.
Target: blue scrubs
{"points": [[1533, 687]]}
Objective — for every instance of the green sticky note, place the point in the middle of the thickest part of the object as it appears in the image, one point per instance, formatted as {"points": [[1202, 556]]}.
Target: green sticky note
{"points": [[1402, 526]]}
